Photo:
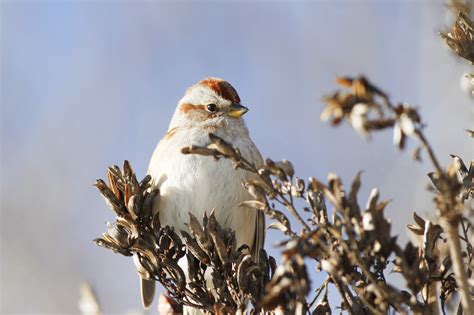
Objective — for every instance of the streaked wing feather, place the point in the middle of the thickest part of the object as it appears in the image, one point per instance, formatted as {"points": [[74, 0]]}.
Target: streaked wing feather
{"points": [[259, 240]]}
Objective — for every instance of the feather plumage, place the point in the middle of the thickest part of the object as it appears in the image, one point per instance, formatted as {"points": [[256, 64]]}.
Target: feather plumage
{"points": [[198, 184]]}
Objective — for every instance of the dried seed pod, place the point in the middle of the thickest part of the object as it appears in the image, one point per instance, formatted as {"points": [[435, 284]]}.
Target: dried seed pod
{"points": [[434, 179], [156, 224], [372, 201], [407, 125], [280, 217], [222, 146], [118, 234], [242, 272], [176, 271], [430, 236], [368, 222], [264, 175], [352, 199], [197, 231], [128, 192], [113, 183], [297, 190], [220, 247], [315, 185], [132, 207], [278, 226], [461, 37], [398, 136], [147, 206], [145, 182], [193, 246], [355, 188], [415, 229], [177, 243], [110, 198], [359, 117], [256, 192], [164, 242], [147, 253], [200, 292], [286, 167], [115, 172], [271, 167], [127, 170], [253, 204], [461, 171], [200, 150], [337, 189], [419, 220], [265, 187], [113, 246]]}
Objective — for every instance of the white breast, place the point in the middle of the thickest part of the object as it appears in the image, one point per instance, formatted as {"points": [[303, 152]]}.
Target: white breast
{"points": [[198, 184]]}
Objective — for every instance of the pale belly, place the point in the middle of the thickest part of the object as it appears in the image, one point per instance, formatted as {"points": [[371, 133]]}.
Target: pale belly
{"points": [[199, 184]]}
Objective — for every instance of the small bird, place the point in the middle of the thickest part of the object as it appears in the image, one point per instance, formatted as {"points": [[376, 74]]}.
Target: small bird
{"points": [[198, 184]]}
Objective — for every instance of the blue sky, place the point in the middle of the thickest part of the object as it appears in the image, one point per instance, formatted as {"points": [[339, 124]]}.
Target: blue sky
{"points": [[87, 84]]}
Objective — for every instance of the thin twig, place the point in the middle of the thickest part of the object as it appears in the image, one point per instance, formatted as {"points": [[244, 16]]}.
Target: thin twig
{"points": [[460, 274], [431, 154]]}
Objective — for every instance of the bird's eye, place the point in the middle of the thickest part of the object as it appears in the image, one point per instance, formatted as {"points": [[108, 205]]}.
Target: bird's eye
{"points": [[212, 108]]}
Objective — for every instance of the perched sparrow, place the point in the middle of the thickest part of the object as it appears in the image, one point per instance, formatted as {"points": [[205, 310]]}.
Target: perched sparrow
{"points": [[198, 184]]}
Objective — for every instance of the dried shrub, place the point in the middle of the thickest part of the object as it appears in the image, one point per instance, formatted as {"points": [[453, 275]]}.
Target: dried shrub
{"points": [[461, 37], [351, 244], [156, 249]]}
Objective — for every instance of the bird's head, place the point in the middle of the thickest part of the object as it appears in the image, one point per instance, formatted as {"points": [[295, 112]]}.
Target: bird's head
{"points": [[212, 103]]}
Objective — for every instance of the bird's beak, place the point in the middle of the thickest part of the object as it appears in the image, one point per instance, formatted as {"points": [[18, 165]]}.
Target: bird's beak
{"points": [[236, 110]]}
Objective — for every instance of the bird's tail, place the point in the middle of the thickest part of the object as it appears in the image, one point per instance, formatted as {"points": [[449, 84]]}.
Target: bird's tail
{"points": [[148, 291]]}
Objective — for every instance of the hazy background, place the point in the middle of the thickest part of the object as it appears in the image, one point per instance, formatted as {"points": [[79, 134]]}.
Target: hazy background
{"points": [[87, 84]]}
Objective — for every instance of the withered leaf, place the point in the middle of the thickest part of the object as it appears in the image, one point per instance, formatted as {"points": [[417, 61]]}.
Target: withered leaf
{"points": [[113, 183], [419, 220], [242, 274], [217, 238], [253, 204], [278, 226], [110, 197], [372, 201], [197, 231], [200, 151], [415, 229], [222, 146], [193, 246]]}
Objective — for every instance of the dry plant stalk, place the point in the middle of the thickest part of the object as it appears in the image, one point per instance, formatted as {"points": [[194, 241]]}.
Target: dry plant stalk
{"points": [[367, 108], [461, 37], [351, 244], [156, 250]]}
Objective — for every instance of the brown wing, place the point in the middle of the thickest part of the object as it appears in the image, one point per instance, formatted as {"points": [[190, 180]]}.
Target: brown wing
{"points": [[259, 240], [147, 291]]}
